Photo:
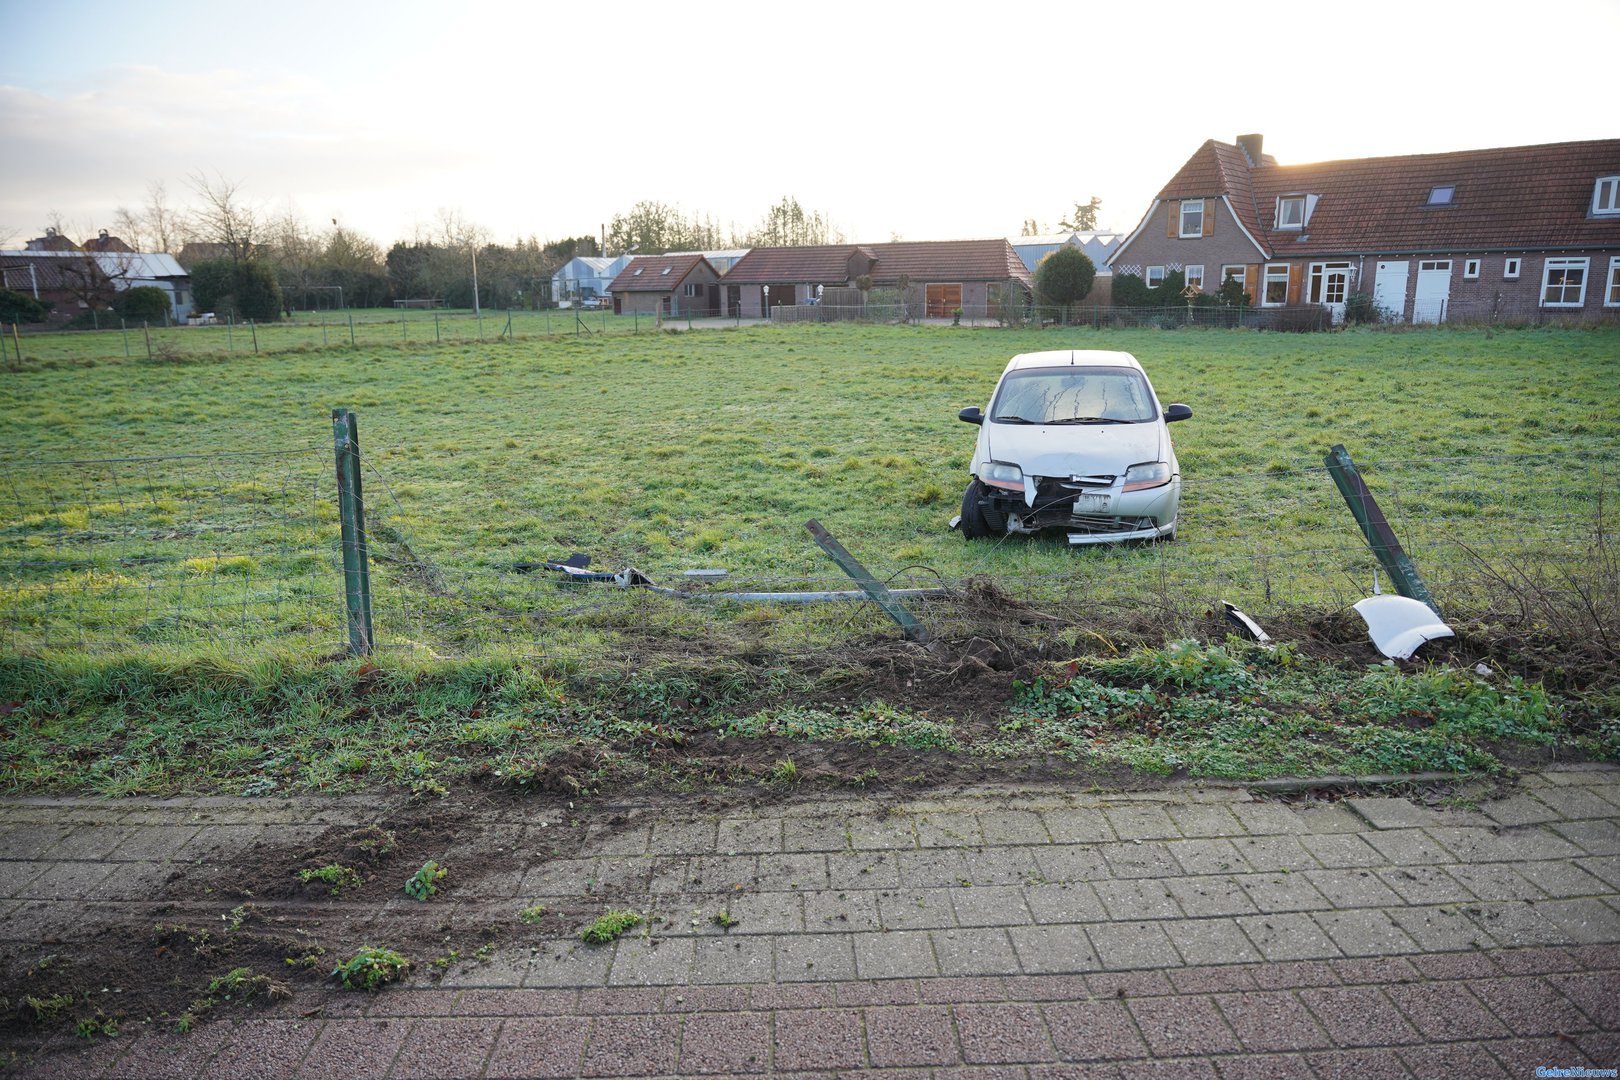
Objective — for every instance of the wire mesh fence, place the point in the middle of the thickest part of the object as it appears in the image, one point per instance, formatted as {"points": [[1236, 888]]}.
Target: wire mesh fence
{"points": [[244, 550]]}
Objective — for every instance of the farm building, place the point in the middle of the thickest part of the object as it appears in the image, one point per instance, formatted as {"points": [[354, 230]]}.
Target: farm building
{"points": [[1098, 246], [670, 285], [1515, 232], [944, 275], [73, 280]]}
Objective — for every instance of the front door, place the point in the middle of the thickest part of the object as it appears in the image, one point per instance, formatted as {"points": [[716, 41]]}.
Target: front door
{"points": [[1389, 290], [1433, 291], [1330, 283]]}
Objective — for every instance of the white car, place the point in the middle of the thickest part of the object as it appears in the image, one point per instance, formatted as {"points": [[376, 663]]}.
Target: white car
{"points": [[1075, 440]]}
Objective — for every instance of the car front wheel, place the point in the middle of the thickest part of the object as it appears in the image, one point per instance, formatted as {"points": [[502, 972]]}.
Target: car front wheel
{"points": [[973, 525]]}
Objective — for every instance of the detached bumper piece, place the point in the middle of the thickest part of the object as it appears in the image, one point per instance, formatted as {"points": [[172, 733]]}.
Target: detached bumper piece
{"points": [[1123, 529]]}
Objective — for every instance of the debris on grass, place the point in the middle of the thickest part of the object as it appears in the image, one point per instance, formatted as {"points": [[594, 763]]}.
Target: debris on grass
{"points": [[610, 927]]}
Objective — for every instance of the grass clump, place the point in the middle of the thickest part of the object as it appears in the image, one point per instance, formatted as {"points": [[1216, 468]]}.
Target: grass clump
{"points": [[531, 916], [371, 968], [610, 927], [337, 876]]}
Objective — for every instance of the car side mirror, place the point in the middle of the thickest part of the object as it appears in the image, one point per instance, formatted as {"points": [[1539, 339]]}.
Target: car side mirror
{"points": [[971, 415], [1177, 412]]}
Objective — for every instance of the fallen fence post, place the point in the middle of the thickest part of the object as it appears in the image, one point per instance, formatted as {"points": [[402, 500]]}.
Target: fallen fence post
{"points": [[352, 516], [1375, 527], [871, 586]]}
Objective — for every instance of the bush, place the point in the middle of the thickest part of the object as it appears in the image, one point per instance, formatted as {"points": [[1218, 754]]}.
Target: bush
{"points": [[16, 307], [144, 302], [248, 290], [1064, 276], [1359, 308]]}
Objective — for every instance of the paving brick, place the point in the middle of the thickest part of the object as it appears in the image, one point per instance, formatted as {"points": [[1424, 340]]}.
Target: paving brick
{"points": [[793, 996], [1341, 851], [749, 835], [1359, 1016], [1071, 903], [1457, 1059], [1577, 803], [1203, 820], [911, 1036], [945, 867], [515, 1003], [1407, 847], [881, 833], [1282, 892], [1364, 932], [1560, 878], [1392, 813], [1446, 1012], [1267, 818], [263, 1048], [1324, 818], [651, 962], [621, 1001], [808, 834], [1593, 993], [1353, 888], [863, 870], [683, 837], [1078, 826], [1013, 827], [948, 830], [814, 958], [1495, 881], [1180, 1026], [899, 955], [819, 1039], [1529, 1006], [1584, 921], [1519, 810], [360, 1049], [1147, 858], [979, 951], [770, 912], [1274, 1021], [732, 959], [1210, 941], [838, 909], [992, 1034], [1137, 899], [1514, 924], [878, 992], [1604, 867], [990, 905], [1522, 1057], [1598, 957], [1381, 969], [1265, 1067], [1127, 946], [1122, 984], [1285, 936], [1208, 856], [1211, 980], [1093, 1031], [730, 1044], [1001, 866], [687, 999], [1425, 885], [1053, 950], [1141, 823], [792, 870], [1045, 988], [1357, 1065], [1072, 863], [1204, 896], [1440, 929], [443, 1047], [1268, 854], [1536, 961], [627, 1046]]}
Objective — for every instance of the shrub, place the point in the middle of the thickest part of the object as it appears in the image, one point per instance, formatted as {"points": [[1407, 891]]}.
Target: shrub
{"points": [[142, 303], [1064, 276], [16, 307], [246, 289]]}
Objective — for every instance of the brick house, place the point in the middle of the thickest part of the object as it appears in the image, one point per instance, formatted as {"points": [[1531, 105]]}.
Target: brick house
{"points": [[1514, 232], [672, 285], [941, 275]]}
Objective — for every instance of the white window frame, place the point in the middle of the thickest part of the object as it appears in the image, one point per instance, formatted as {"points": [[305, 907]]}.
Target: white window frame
{"points": [[1195, 275], [1470, 269], [1242, 273], [1283, 203], [1316, 290], [1274, 272], [1511, 268], [689, 289], [1611, 289], [1198, 228], [1566, 265], [1154, 276], [1606, 196]]}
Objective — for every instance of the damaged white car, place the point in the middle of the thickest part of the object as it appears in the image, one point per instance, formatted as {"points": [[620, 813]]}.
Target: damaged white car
{"points": [[1074, 440]]}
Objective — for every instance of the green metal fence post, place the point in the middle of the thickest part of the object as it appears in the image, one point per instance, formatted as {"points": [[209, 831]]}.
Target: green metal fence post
{"points": [[253, 325], [146, 328], [124, 326], [352, 516], [1375, 527], [910, 628], [435, 328], [351, 331]]}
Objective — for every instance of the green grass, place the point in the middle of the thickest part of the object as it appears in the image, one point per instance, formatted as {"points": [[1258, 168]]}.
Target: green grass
{"points": [[170, 623]]}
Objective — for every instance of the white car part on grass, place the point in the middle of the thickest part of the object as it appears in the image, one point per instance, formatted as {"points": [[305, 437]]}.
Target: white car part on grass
{"points": [[1399, 625]]}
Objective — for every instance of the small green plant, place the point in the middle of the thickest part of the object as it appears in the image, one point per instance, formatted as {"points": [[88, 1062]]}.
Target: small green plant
{"points": [[724, 920], [484, 951], [610, 927], [337, 876], [47, 1008], [531, 916], [99, 1024], [371, 968], [784, 773], [423, 884]]}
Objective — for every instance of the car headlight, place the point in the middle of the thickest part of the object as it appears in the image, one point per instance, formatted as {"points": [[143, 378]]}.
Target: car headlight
{"points": [[1149, 474], [1002, 474]]}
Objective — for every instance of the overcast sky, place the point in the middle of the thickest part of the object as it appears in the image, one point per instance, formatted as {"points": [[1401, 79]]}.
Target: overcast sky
{"points": [[893, 119]]}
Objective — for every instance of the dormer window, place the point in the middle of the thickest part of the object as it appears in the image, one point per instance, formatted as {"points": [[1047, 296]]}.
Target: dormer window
{"points": [[1606, 196], [1441, 195], [1291, 212]]}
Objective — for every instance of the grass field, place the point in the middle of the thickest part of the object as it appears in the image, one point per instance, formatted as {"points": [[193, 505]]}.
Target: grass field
{"points": [[670, 451]]}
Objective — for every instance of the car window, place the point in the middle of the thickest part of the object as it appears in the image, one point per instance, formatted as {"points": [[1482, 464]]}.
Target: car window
{"points": [[1044, 395]]}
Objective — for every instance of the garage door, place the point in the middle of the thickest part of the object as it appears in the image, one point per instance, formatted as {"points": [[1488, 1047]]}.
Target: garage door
{"points": [[943, 300]]}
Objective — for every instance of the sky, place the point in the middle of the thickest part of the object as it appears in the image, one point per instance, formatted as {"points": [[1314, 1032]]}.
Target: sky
{"points": [[894, 120]]}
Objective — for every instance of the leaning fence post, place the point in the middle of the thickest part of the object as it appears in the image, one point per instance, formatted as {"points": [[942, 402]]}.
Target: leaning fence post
{"points": [[352, 516], [146, 328], [1375, 527], [910, 628]]}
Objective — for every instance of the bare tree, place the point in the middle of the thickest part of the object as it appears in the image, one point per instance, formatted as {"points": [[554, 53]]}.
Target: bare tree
{"points": [[226, 218]]}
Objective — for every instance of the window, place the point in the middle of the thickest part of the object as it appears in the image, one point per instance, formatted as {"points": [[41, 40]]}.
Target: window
{"points": [[1563, 282], [1606, 195], [1155, 276], [1441, 196], [689, 289], [1234, 270], [1195, 277], [666, 270], [1291, 212], [1274, 291], [1611, 293], [1510, 269], [1435, 264], [1329, 282], [1470, 268], [1192, 217]]}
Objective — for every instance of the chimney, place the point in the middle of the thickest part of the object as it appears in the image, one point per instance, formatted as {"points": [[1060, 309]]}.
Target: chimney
{"points": [[1250, 145], [103, 234]]}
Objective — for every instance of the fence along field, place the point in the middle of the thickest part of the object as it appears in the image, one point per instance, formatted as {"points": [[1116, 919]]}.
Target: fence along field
{"points": [[240, 551]]}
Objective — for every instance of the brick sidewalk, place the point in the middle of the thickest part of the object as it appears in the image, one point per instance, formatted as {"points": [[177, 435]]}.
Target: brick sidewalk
{"points": [[986, 934]]}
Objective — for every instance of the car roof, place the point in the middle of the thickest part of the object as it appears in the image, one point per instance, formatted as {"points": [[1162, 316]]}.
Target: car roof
{"points": [[1068, 357]]}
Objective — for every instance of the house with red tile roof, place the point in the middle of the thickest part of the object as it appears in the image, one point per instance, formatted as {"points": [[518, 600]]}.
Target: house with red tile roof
{"points": [[670, 285], [1512, 232], [940, 276]]}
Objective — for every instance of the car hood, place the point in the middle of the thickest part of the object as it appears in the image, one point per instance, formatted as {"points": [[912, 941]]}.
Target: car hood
{"points": [[1075, 449]]}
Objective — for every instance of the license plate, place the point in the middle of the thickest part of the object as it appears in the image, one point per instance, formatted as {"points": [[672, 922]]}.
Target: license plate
{"points": [[1091, 504]]}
